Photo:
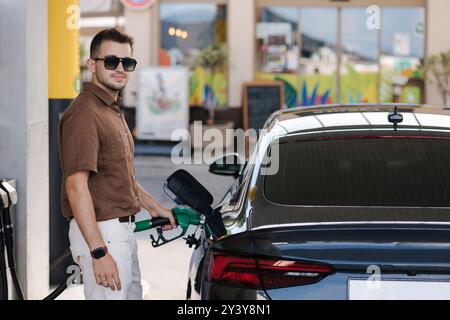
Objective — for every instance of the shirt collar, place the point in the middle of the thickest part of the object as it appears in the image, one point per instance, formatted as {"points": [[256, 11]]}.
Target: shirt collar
{"points": [[101, 94]]}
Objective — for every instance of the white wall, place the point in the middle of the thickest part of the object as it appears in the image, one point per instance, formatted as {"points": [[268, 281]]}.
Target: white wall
{"points": [[24, 134], [438, 38], [139, 26], [241, 39], [37, 224]]}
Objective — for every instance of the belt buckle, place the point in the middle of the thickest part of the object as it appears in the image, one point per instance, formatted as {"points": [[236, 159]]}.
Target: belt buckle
{"points": [[128, 219]]}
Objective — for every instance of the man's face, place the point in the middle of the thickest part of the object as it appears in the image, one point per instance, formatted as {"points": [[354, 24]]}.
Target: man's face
{"points": [[112, 79]]}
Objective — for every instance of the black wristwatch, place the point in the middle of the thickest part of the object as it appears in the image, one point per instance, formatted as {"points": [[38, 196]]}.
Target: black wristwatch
{"points": [[99, 252]]}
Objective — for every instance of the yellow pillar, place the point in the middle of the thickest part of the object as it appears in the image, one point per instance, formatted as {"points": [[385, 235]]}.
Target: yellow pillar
{"points": [[63, 49]]}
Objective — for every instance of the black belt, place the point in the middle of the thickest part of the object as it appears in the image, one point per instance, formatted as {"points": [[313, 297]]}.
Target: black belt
{"points": [[127, 219]]}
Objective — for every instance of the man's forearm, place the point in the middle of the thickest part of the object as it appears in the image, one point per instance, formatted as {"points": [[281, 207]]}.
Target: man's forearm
{"points": [[84, 213]]}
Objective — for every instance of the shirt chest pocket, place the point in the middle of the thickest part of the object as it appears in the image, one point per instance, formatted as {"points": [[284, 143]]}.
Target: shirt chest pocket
{"points": [[114, 147]]}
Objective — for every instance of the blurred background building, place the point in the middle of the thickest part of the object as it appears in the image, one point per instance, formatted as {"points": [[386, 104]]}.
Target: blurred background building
{"points": [[323, 51]]}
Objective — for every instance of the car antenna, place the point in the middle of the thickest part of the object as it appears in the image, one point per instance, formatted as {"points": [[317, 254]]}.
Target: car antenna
{"points": [[395, 118]]}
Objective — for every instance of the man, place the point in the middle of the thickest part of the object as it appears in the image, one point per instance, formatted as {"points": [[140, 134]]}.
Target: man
{"points": [[100, 194]]}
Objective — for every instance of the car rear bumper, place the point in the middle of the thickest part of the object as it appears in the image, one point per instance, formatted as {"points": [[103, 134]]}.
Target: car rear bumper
{"points": [[341, 286]]}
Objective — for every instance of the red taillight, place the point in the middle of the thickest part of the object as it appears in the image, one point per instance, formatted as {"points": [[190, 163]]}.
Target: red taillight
{"points": [[272, 273], [285, 273], [234, 271]]}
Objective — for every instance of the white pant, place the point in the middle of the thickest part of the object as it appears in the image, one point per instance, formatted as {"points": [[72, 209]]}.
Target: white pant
{"points": [[122, 246]]}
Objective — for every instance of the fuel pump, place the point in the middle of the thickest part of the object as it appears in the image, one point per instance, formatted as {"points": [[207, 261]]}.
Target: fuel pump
{"points": [[4, 204], [8, 238]]}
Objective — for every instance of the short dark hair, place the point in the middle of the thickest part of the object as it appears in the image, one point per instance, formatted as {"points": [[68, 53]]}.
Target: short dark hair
{"points": [[109, 35]]}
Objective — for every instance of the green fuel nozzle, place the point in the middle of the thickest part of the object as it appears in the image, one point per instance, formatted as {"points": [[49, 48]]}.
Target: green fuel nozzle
{"points": [[184, 215]]}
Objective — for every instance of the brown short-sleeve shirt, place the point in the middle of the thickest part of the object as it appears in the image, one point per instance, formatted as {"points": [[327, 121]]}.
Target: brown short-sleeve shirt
{"points": [[93, 136]]}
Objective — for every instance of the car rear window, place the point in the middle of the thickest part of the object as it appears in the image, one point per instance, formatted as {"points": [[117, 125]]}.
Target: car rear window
{"points": [[376, 171]]}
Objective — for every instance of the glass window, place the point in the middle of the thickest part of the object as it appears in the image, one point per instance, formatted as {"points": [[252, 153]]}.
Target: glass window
{"points": [[277, 45], [402, 38], [190, 35], [318, 62], [299, 46], [362, 172], [359, 58]]}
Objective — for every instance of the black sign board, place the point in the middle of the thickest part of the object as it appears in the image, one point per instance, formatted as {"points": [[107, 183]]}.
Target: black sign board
{"points": [[260, 100]]}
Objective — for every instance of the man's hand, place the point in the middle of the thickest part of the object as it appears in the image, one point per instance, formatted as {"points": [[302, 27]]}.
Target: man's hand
{"points": [[106, 273], [166, 213]]}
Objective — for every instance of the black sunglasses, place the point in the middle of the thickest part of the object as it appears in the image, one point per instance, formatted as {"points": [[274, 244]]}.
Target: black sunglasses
{"points": [[111, 63]]}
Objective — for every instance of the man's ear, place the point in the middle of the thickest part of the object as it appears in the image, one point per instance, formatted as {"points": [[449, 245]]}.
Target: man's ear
{"points": [[91, 65]]}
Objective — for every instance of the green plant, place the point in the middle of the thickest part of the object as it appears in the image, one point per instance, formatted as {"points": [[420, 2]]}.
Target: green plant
{"points": [[212, 59], [439, 67]]}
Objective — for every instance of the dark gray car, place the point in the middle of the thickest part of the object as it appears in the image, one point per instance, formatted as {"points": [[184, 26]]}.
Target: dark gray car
{"points": [[356, 210]]}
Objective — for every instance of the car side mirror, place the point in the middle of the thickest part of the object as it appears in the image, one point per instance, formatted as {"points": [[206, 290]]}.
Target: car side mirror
{"points": [[229, 165]]}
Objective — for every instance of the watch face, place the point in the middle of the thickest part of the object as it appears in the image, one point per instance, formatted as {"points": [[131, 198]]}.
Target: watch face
{"points": [[98, 253]]}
